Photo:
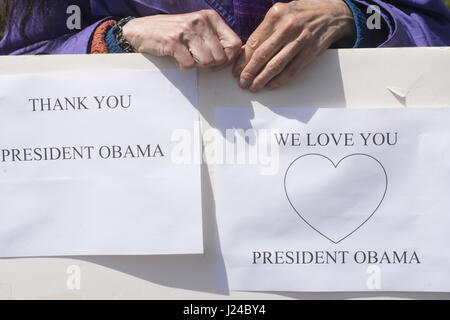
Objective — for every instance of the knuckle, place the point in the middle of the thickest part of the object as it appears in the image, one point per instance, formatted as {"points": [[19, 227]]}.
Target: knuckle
{"points": [[278, 9], [171, 39], [272, 46], [184, 27], [247, 75], [307, 35], [198, 18], [290, 22], [297, 42], [167, 50], [166, 47], [233, 46], [252, 43], [221, 60], [236, 43], [259, 57], [273, 67], [209, 13]]}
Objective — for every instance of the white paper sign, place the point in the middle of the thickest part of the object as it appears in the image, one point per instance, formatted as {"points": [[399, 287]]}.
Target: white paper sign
{"points": [[87, 164], [334, 199]]}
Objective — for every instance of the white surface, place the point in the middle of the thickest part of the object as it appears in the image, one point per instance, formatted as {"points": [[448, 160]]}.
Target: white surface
{"points": [[335, 210], [119, 192], [344, 78]]}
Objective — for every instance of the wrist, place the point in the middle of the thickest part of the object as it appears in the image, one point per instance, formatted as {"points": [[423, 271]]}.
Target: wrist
{"points": [[346, 34], [119, 34], [128, 31]]}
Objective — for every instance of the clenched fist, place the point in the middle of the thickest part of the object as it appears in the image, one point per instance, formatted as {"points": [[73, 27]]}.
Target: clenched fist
{"points": [[197, 39]]}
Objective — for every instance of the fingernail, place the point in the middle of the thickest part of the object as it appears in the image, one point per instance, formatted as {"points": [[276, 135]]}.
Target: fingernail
{"points": [[253, 88], [244, 83]]}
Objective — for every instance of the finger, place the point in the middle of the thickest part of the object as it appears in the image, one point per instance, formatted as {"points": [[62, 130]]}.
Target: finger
{"points": [[218, 68], [261, 34], [239, 65], [183, 57], [230, 41], [261, 56], [201, 52], [218, 53], [276, 65], [291, 70], [302, 60]]}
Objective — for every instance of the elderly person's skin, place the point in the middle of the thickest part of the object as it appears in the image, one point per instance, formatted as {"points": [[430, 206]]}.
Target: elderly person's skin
{"points": [[197, 39], [291, 36]]}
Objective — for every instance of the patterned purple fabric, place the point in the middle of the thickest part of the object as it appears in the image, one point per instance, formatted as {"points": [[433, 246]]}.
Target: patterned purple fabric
{"points": [[248, 14], [409, 22]]}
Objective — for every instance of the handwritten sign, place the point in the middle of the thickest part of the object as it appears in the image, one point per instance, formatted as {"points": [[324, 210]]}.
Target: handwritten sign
{"points": [[87, 164], [334, 199]]}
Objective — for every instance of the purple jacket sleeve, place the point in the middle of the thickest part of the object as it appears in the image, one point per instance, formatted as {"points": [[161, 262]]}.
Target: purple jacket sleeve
{"points": [[413, 23], [46, 29], [407, 22], [70, 43], [47, 32]]}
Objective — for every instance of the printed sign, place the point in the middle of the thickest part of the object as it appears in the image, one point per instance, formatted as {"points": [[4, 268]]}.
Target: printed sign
{"points": [[88, 164], [334, 199]]}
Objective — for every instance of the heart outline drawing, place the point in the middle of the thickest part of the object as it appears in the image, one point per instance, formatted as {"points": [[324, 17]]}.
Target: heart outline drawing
{"points": [[336, 165]]}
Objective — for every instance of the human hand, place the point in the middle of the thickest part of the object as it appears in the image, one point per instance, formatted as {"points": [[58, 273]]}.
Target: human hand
{"points": [[194, 39], [291, 36]]}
